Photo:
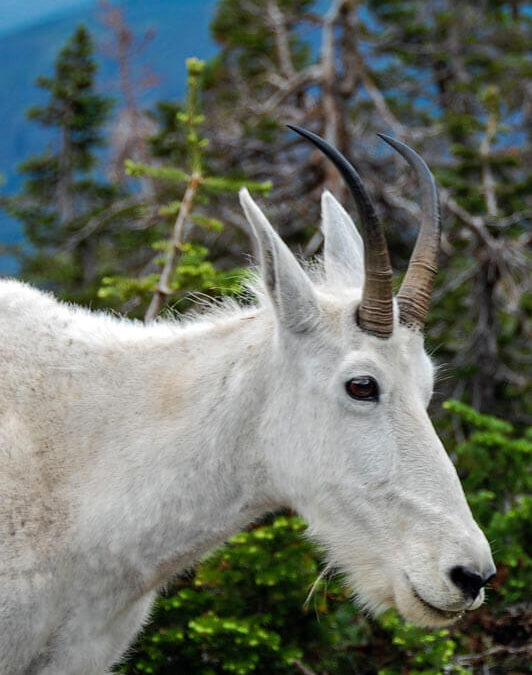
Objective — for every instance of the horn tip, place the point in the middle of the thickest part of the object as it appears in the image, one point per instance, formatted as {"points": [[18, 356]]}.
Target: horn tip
{"points": [[304, 132], [390, 140]]}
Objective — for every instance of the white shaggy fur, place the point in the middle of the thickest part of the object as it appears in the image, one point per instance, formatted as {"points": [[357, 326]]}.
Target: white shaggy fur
{"points": [[128, 451]]}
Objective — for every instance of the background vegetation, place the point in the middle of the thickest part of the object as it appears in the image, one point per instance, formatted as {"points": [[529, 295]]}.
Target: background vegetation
{"points": [[134, 209]]}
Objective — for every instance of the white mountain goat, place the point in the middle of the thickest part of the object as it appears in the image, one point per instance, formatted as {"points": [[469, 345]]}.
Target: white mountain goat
{"points": [[129, 451]]}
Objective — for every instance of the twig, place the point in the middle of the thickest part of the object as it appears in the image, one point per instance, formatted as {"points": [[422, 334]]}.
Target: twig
{"points": [[469, 659], [163, 289], [302, 667], [287, 87], [399, 202], [514, 219], [96, 222], [475, 223], [281, 39], [456, 282], [378, 99]]}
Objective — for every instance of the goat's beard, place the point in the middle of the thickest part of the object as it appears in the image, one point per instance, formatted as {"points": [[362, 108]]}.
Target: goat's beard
{"points": [[376, 598], [377, 587]]}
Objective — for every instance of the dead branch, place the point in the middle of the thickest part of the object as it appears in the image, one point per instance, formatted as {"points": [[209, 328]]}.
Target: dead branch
{"points": [[302, 667], [378, 99], [98, 221], [476, 224], [282, 44], [331, 112], [470, 659], [289, 86]]}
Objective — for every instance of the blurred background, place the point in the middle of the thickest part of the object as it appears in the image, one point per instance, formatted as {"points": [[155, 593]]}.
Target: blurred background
{"points": [[128, 130]]}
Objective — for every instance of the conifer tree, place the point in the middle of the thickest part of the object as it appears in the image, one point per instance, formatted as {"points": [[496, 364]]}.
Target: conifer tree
{"points": [[62, 195]]}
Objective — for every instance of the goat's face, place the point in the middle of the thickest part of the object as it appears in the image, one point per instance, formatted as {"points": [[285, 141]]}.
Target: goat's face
{"points": [[357, 456], [349, 441]]}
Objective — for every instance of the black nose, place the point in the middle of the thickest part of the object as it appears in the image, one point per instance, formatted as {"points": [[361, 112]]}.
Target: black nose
{"points": [[469, 581]]}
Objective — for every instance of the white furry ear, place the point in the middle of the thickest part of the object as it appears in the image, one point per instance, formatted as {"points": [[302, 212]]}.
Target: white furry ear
{"points": [[344, 248], [287, 284]]}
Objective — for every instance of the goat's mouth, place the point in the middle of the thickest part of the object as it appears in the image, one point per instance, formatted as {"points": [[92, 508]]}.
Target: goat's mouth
{"points": [[445, 614]]}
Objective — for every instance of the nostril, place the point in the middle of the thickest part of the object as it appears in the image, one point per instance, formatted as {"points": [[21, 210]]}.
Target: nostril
{"points": [[468, 581]]}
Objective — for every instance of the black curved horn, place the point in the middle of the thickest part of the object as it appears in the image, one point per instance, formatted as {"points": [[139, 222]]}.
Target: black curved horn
{"points": [[375, 312]]}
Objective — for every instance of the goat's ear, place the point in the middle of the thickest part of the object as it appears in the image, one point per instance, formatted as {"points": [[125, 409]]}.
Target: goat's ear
{"points": [[343, 248], [288, 286]]}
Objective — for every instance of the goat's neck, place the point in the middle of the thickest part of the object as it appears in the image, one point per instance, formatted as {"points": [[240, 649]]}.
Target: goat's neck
{"points": [[175, 463]]}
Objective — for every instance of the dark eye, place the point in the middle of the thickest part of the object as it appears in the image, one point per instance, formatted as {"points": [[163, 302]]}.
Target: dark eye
{"points": [[363, 388]]}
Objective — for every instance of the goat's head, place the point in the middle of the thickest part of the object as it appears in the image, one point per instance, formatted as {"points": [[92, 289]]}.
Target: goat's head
{"points": [[349, 441]]}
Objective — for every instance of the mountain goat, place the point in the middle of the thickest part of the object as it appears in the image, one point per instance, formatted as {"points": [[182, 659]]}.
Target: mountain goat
{"points": [[128, 451]]}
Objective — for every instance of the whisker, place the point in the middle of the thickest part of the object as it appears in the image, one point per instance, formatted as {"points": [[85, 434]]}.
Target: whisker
{"points": [[324, 572]]}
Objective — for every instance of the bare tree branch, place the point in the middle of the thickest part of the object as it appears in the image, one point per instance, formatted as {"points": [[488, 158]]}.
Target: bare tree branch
{"points": [[379, 101], [331, 112], [470, 659], [302, 667], [475, 223], [287, 87], [277, 22], [101, 219]]}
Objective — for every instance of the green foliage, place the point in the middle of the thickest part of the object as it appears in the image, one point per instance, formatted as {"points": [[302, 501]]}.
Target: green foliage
{"points": [[193, 273], [243, 610], [495, 466], [419, 652], [185, 265], [480, 324], [246, 611], [248, 37]]}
